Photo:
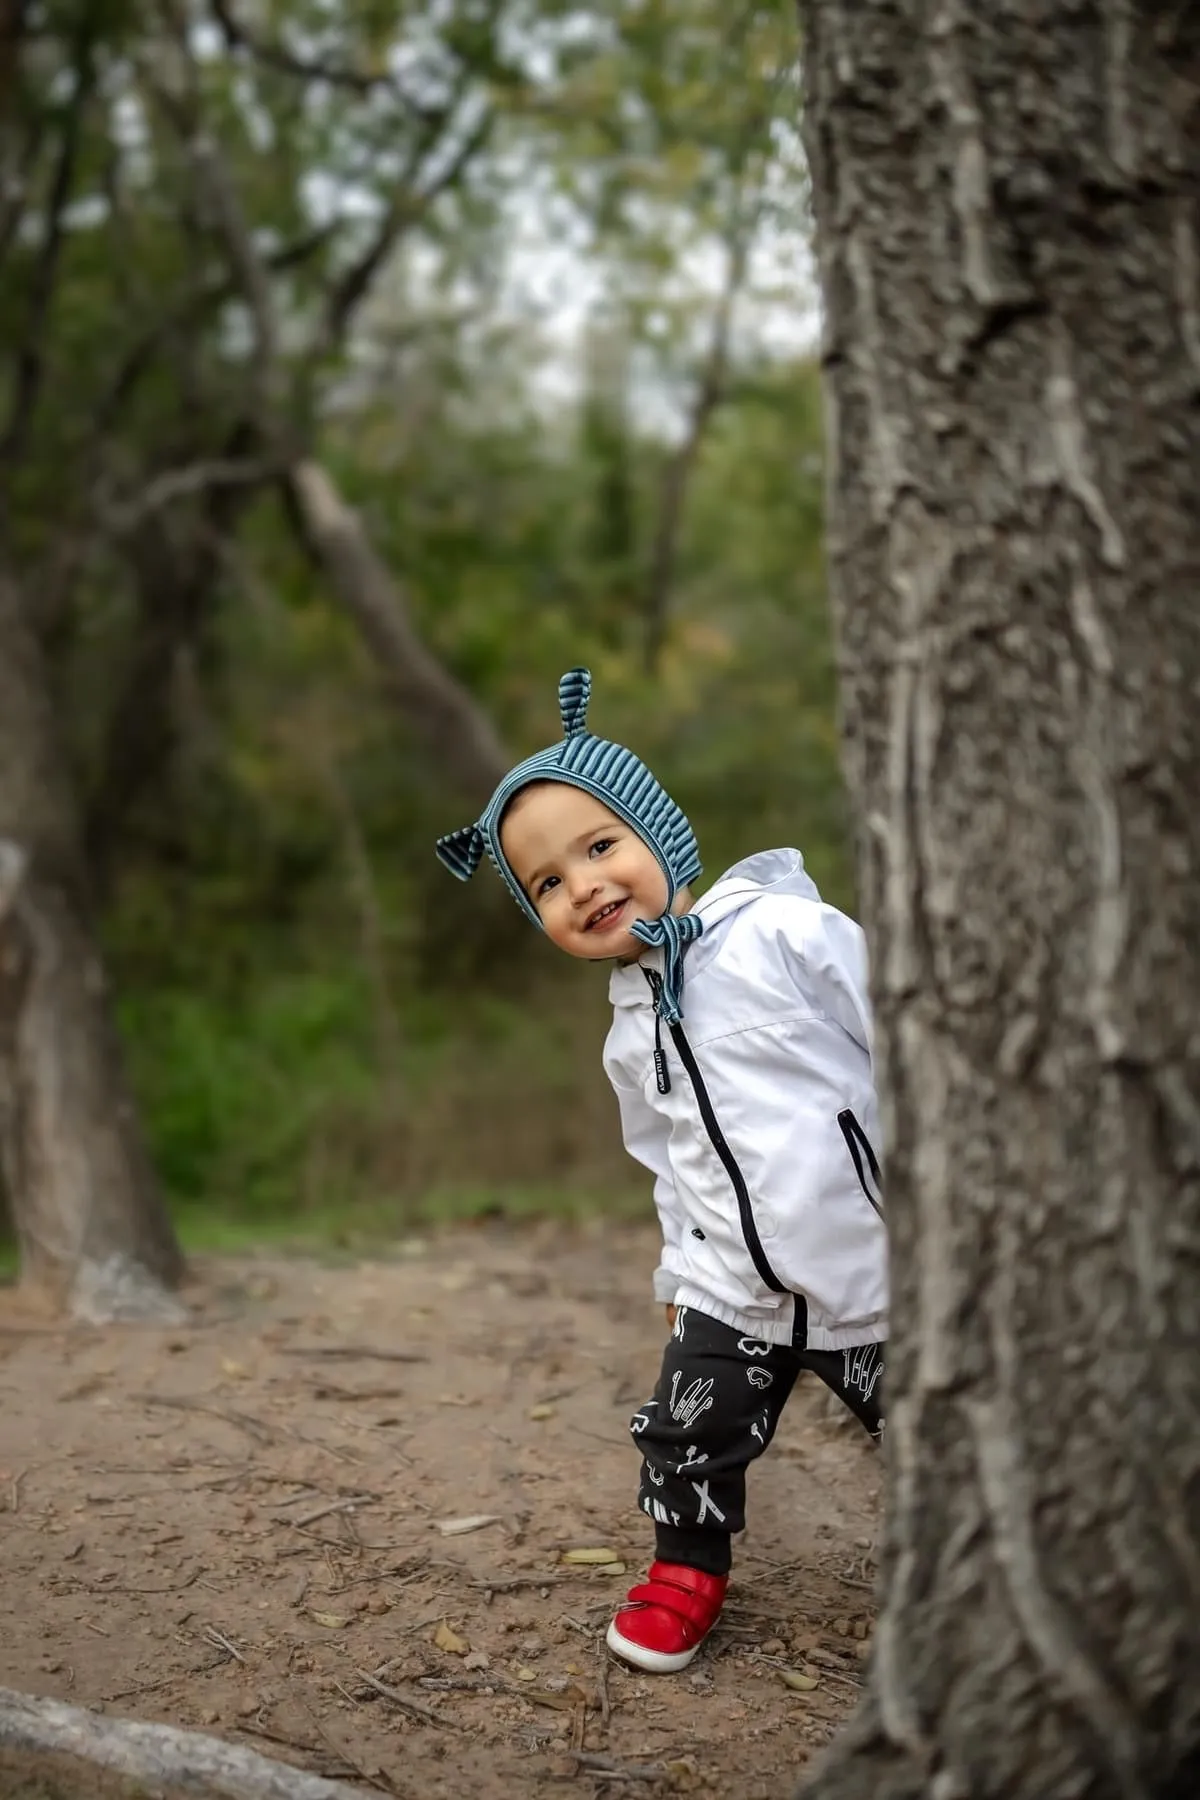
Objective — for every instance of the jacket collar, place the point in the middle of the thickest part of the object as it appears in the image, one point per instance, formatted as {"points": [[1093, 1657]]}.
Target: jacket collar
{"points": [[767, 872]]}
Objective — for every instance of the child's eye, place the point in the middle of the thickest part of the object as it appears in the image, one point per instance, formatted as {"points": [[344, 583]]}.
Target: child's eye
{"points": [[544, 887], [601, 845]]}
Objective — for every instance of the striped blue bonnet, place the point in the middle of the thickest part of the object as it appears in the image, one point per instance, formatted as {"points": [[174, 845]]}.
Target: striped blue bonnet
{"points": [[623, 783]]}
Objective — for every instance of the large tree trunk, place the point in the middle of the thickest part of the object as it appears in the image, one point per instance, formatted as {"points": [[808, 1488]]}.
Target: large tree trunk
{"points": [[1008, 211], [89, 1217]]}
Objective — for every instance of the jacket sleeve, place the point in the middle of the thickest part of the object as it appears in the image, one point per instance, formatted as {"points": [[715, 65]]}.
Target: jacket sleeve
{"points": [[645, 1135], [829, 961]]}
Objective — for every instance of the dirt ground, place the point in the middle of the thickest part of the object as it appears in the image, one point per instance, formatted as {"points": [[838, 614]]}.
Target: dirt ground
{"points": [[257, 1527]]}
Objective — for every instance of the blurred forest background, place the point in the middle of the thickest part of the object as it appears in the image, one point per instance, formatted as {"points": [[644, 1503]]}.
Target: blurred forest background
{"points": [[366, 364]]}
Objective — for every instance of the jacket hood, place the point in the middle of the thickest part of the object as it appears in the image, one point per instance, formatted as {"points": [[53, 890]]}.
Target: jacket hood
{"points": [[767, 872]]}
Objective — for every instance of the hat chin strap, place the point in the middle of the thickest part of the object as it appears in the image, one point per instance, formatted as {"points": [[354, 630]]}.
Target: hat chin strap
{"points": [[672, 933]]}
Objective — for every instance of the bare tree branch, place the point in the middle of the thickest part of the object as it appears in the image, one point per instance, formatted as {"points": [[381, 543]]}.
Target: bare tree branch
{"points": [[184, 484], [455, 728], [711, 390], [30, 357], [290, 62], [407, 205], [16, 161], [185, 316], [14, 16], [459, 732], [216, 186]]}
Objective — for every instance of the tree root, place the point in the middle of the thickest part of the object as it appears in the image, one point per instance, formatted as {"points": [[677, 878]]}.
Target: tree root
{"points": [[187, 1762]]}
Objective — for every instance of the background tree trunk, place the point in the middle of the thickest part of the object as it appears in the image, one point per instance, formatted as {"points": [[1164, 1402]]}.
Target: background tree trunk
{"points": [[88, 1213], [1008, 210]]}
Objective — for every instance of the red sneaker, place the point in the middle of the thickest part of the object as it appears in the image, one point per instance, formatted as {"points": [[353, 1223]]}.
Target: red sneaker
{"points": [[664, 1622]]}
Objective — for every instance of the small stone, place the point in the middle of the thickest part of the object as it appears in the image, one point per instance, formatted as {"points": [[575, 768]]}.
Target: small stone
{"points": [[379, 1603], [774, 1647], [209, 1716]]}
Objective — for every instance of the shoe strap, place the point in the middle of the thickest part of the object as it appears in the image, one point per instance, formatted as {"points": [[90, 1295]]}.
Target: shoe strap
{"points": [[695, 1608]]}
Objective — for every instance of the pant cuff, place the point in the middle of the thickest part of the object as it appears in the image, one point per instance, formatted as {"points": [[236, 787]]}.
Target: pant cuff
{"points": [[708, 1551]]}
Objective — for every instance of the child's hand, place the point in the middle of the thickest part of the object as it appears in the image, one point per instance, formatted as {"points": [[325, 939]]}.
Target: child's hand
{"points": [[670, 1318]]}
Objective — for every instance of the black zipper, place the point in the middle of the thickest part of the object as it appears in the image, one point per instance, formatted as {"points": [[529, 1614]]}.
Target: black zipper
{"points": [[716, 1136], [859, 1146]]}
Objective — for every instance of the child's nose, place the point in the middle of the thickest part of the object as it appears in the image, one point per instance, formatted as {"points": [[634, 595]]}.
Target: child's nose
{"points": [[583, 884]]}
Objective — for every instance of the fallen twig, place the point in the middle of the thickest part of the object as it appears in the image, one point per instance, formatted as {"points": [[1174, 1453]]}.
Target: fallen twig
{"points": [[221, 1642], [402, 1701], [851, 1581], [262, 1434], [356, 1352], [333, 1506], [328, 1390], [509, 1584], [154, 1687], [605, 1700], [166, 1587], [612, 1770], [350, 1762]]}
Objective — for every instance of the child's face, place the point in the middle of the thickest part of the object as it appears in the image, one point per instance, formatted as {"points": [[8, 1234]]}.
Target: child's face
{"points": [[589, 875]]}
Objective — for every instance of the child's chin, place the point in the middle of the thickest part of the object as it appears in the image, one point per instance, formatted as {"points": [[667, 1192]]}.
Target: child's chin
{"points": [[613, 946]]}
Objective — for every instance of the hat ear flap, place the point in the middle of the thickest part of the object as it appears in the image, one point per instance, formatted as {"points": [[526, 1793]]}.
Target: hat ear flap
{"points": [[460, 851], [574, 692]]}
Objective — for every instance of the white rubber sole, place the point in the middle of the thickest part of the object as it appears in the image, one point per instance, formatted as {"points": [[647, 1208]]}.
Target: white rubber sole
{"points": [[654, 1662]]}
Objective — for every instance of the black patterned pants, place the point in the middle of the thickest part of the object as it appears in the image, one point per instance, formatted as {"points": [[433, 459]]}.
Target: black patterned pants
{"points": [[718, 1402]]}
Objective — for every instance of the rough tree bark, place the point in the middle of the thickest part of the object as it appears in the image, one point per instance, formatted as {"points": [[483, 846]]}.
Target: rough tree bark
{"points": [[1008, 212], [92, 1228]]}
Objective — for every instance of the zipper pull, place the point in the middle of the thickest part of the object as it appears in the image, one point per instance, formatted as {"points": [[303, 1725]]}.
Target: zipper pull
{"points": [[662, 1075]]}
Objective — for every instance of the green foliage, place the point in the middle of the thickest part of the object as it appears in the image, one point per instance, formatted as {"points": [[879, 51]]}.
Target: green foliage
{"points": [[317, 1025]]}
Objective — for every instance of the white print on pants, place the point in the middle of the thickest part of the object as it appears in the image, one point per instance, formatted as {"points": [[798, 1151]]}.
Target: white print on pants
{"points": [[861, 1369], [696, 1399], [707, 1504]]}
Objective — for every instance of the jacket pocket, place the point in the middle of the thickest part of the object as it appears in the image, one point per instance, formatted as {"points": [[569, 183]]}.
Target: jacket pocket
{"points": [[866, 1163]]}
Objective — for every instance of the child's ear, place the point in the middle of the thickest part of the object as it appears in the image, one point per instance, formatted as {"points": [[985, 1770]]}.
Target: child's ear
{"points": [[461, 851]]}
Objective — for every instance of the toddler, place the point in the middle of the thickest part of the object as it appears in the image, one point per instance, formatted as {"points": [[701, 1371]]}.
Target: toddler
{"points": [[740, 1053]]}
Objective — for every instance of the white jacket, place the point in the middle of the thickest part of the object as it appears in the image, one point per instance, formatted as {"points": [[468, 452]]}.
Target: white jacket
{"points": [[762, 1149]]}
